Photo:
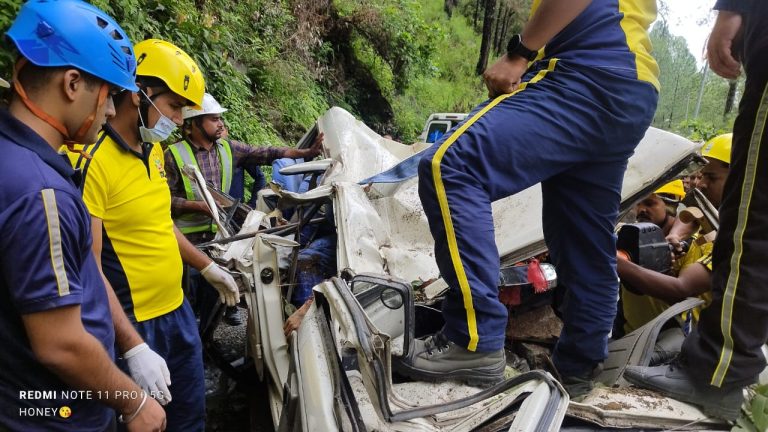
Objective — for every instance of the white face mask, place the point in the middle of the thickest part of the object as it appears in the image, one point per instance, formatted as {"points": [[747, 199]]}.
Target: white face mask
{"points": [[162, 130]]}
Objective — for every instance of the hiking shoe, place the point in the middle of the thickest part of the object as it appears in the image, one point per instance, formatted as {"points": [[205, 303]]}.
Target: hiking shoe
{"points": [[435, 358], [674, 381], [578, 385], [232, 316], [581, 384]]}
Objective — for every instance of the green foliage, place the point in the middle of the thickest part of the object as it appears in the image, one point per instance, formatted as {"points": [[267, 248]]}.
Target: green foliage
{"points": [[237, 45], [451, 84], [699, 130], [8, 11], [240, 49], [393, 35], [681, 82], [755, 418], [278, 65]]}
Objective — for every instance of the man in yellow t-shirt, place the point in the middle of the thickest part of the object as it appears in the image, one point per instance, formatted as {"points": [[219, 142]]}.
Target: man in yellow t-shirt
{"points": [[647, 293], [660, 207], [137, 247]]}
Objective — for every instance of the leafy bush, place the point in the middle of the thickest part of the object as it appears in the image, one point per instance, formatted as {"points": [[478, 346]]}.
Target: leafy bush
{"points": [[450, 83], [8, 11], [700, 130], [278, 65], [755, 417]]}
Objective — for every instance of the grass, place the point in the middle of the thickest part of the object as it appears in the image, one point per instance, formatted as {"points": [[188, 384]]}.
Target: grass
{"points": [[452, 85]]}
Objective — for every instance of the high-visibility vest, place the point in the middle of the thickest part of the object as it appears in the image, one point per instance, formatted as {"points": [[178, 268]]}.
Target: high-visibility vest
{"points": [[183, 155]]}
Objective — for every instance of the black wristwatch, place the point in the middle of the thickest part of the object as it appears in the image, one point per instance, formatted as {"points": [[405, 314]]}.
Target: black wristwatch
{"points": [[515, 47]]}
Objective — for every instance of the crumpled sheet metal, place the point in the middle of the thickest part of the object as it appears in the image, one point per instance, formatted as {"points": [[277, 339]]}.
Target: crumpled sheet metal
{"points": [[390, 233]]}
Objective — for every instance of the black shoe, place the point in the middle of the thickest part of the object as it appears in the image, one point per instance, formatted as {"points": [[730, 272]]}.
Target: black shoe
{"points": [[435, 358], [674, 381], [232, 316], [578, 385]]}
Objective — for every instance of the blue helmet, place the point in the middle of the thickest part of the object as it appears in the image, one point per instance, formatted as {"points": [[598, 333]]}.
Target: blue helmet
{"points": [[53, 33]]}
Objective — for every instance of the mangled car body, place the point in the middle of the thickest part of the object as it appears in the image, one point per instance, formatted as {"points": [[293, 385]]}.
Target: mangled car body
{"points": [[335, 373]]}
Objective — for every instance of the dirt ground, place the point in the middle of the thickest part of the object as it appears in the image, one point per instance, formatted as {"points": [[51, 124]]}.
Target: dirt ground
{"points": [[229, 407]]}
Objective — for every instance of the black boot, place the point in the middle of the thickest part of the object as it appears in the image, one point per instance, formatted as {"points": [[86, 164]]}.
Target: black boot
{"points": [[435, 358]]}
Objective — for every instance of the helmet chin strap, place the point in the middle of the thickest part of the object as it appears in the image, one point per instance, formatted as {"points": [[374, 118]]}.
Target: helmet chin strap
{"points": [[69, 141]]}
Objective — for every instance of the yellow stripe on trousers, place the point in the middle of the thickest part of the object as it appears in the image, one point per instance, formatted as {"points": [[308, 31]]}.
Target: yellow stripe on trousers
{"points": [[750, 173], [442, 198]]}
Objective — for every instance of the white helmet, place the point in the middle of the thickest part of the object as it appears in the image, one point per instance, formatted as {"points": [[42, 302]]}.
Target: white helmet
{"points": [[210, 106]]}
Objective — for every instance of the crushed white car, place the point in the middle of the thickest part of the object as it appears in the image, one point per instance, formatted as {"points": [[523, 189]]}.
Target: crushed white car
{"points": [[334, 373]]}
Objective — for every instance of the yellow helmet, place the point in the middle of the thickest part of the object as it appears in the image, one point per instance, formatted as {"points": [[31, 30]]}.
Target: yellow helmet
{"points": [[719, 148], [164, 60], [674, 188]]}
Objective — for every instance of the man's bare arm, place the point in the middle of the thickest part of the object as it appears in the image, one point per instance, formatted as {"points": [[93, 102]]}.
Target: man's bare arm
{"points": [[693, 280], [189, 253], [76, 357], [126, 336]]}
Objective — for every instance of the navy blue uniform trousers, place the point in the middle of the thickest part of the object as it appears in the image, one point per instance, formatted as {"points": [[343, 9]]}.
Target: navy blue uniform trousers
{"points": [[572, 129], [174, 337]]}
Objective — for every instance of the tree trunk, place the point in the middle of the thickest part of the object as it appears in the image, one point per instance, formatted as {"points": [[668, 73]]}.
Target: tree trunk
{"points": [[503, 38], [497, 29], [478, 3], [449, 6], [485, 45]]}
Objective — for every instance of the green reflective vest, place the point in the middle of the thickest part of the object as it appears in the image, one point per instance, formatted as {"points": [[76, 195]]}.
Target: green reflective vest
{"points": [[183, 155]]}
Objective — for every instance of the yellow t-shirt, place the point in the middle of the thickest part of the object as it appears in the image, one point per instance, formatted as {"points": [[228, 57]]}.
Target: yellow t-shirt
{"points": [[641, 309], [704, 258], [610, 35], [140, 255]]}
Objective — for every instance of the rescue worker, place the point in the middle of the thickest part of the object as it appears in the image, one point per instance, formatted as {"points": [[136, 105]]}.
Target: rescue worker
{"points": [[690, 181], [216, 158], [135, 242], [570, 101], [717, 152], [723, 353], [647, 293], [57, 335], [660, 207]]}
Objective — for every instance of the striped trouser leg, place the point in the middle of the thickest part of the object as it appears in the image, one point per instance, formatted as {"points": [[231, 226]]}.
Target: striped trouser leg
{"points": [[725, 347], [549, 128]]}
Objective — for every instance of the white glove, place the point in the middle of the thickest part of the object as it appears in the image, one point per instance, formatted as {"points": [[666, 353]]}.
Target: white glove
{"points": [[150, 372], [223, 282]]}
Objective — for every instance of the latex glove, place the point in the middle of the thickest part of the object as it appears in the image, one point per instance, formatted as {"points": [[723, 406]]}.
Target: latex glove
{"points": [[149, 371], [223, 282]]}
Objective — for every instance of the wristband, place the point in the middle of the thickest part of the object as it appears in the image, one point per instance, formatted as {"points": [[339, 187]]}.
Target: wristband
{"points": [[125, 420]]}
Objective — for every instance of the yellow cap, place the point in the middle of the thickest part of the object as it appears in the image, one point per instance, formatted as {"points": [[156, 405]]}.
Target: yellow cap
{"points": [[674, 188], [164, 60], [719, 148]]}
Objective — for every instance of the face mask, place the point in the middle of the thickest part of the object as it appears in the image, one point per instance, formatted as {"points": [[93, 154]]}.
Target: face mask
{"points": [[162, 130]]}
